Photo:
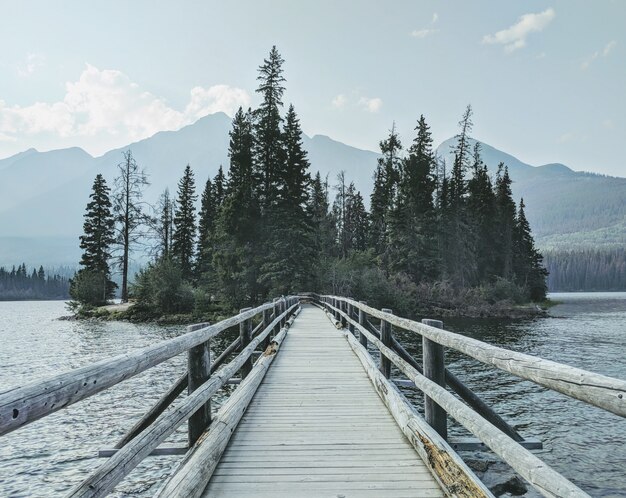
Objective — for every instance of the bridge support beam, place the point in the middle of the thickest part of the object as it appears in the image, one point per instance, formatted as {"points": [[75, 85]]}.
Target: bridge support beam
{"points": [[351, 315], [363, 323], [199, 371], [385, 337], [435, 370], [245, 335]]}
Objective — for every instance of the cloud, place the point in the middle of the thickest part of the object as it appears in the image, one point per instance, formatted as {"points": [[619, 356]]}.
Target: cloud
{"points": [[31, 63], [514, 37], [104, 108], [608, 48], [339, 102], [423, 33], [371, 104], [566, 137]]}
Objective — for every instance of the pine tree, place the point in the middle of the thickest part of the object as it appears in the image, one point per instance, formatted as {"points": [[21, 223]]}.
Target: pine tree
{"points": [[96, 242], [528, 262], [128, 209], [185, 224], [505, 223], [383, 196], [268, 144], [206, 225], [164, 225], [287, 265], [459, 251], [412, 223], [235, 258], [324, 232], [481, 207]]}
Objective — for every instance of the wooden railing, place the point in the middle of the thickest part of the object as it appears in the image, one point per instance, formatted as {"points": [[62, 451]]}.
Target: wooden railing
{"points": [[23, 405], [595, 389]]}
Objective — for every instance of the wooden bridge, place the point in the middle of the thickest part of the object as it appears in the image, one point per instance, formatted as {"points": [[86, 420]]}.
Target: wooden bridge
{"points": [[327, 418]]}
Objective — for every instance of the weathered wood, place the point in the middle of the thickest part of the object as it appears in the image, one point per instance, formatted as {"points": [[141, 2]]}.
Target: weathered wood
{"points": [[22, 405], [160, 451], [194, 472], [385, 337], [362, 322], [170, 396], [301, 428], [435, 370], [159, 407], [446, 466], [465, 393], [245, 335], [542, 477], [599, 390], [474, 444], [104, 479], [199, 371], [266, 321], [351, 314]]}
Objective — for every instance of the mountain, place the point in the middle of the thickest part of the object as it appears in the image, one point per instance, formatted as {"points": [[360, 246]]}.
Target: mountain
{"points": [[43, 194], [565, 208]]}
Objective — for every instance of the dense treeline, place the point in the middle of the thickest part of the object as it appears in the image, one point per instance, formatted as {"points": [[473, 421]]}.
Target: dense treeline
{"points": [[433, 236], [587, 270], [19, 284]]}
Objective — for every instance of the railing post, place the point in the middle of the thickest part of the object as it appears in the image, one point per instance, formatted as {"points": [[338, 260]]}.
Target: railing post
{"points": [[283, 308], [435, 370], [350, 313], [363, 323], [266, 322], [245, 330], [385, 337], [344, 309], [276, 313], [199, 371]]}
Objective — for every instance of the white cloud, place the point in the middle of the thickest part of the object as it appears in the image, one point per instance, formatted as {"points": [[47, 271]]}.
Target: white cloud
{"points": [[31, 63], [423, 33], [600, 53], [566, 137], [371, 104], [514, 37], [339, 102], [104, 108]]}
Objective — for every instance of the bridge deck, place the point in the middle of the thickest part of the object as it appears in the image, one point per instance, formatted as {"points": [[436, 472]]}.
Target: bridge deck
{"points": [[316, 427]]}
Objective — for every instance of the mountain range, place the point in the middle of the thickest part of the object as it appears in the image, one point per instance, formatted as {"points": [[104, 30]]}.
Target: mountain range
{"points": [[43, 194]]}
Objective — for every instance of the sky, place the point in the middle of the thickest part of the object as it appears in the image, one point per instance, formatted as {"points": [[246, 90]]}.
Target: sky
{"points": [[546, 79]]}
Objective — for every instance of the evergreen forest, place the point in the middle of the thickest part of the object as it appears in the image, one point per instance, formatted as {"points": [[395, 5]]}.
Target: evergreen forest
{"points": [[19, 284], [432, 236]]}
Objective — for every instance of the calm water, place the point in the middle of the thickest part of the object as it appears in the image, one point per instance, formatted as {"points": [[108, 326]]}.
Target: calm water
{"points": [[51, 455]]}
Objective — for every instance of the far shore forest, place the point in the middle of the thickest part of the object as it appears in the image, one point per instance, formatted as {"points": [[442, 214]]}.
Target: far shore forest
{"points": [[437, 238]]}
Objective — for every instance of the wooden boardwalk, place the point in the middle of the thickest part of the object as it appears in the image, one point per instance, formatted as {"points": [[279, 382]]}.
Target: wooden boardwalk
{"points": [[316, 427]]}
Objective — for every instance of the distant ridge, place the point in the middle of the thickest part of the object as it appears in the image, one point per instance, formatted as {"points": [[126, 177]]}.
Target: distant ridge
{"points": [[43, 194]]}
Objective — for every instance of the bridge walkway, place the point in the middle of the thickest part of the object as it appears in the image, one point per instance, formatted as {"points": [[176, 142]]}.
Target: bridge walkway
{"points": [[317, 428]]}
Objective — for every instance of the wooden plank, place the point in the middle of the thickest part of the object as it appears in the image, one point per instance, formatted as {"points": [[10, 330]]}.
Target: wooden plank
{"points": [[541, 476], [104, 479], [193, 473], [278, 446]]}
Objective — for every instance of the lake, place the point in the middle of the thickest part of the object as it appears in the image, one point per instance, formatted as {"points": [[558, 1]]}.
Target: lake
{"points": [[48, 457]]}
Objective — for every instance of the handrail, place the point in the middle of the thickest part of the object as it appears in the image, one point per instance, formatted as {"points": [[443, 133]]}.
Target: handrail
{"points": [[104, 479], [23, 405], [545, 479], [469, 396], [595, 389]]}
